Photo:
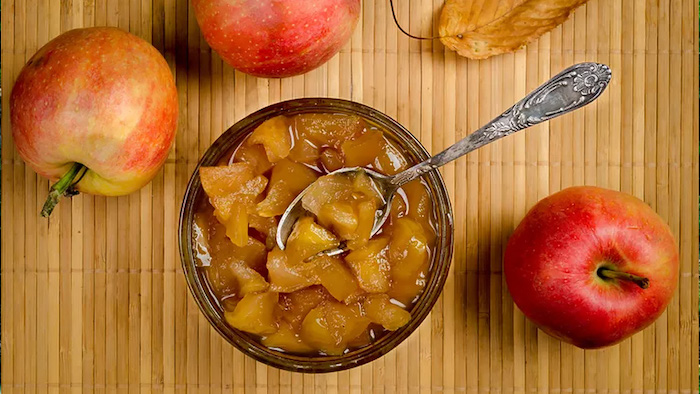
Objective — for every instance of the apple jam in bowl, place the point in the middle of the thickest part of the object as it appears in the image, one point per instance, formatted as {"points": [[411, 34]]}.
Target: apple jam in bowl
{"points": [[290, 308]]}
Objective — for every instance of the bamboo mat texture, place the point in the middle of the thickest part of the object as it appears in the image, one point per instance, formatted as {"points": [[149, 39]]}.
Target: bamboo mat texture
{"points": [[94, 299]]}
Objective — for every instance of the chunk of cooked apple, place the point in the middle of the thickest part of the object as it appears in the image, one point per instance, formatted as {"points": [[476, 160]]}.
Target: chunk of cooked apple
{"points": [[296, 305], [327, 189], [233, 201], [304, 151], [253, 154], [248, 279], [286, 277], [273, 134], [336, 277], [287, 340], [330, 326], [288, 179], [340, 217], [420, 206], [255, 313], [408, 248], [380, 310], [370, 265], [328, 129], [331, 159], [307, 239], [363, 150]]}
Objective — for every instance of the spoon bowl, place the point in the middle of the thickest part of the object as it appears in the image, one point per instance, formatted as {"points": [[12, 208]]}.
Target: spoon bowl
{"points": [[385, 190]]}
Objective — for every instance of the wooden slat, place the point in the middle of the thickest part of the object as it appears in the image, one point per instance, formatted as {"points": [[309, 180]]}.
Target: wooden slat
{"points": [[688, 291], [567, 368], [94, 299], [529, 194], [506, 226]]}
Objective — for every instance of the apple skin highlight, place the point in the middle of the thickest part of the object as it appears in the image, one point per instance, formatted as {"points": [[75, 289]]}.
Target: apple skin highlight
{"points": [[553, 264]]}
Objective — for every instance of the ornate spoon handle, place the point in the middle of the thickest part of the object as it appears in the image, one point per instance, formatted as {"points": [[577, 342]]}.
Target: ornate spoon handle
{"points": [[571, 89]]}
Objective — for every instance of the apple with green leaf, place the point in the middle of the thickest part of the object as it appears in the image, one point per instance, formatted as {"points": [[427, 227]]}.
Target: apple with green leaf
{"points": [[591, 266]]}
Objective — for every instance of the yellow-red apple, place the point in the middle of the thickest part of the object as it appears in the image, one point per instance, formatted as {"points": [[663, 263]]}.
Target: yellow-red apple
{"points": [[96, 109], [276, 38], [591, 266]]}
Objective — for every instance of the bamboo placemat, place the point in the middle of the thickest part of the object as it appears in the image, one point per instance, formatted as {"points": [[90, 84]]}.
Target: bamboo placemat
{"points": [[94, 299]]}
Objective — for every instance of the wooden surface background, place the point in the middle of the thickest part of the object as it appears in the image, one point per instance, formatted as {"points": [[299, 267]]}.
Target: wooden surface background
{"points": [[94, 299]]}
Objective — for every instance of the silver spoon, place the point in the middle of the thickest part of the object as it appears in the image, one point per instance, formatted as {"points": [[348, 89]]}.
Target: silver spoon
{"points": [[571, 89]]}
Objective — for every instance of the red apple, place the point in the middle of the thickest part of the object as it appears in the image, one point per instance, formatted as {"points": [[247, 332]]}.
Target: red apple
{"points": [[276, 38], [96, 108], [591, 266]]}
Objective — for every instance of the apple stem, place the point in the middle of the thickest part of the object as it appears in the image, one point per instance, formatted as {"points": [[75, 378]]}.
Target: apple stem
{"points": [[607, 273], [60, 188]]}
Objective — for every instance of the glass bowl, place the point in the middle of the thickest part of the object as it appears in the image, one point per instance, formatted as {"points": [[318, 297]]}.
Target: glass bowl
{"points": [[209, 305]]}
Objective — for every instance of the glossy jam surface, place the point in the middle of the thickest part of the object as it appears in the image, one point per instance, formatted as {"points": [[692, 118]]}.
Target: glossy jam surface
{"points": [[327, 305]]}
